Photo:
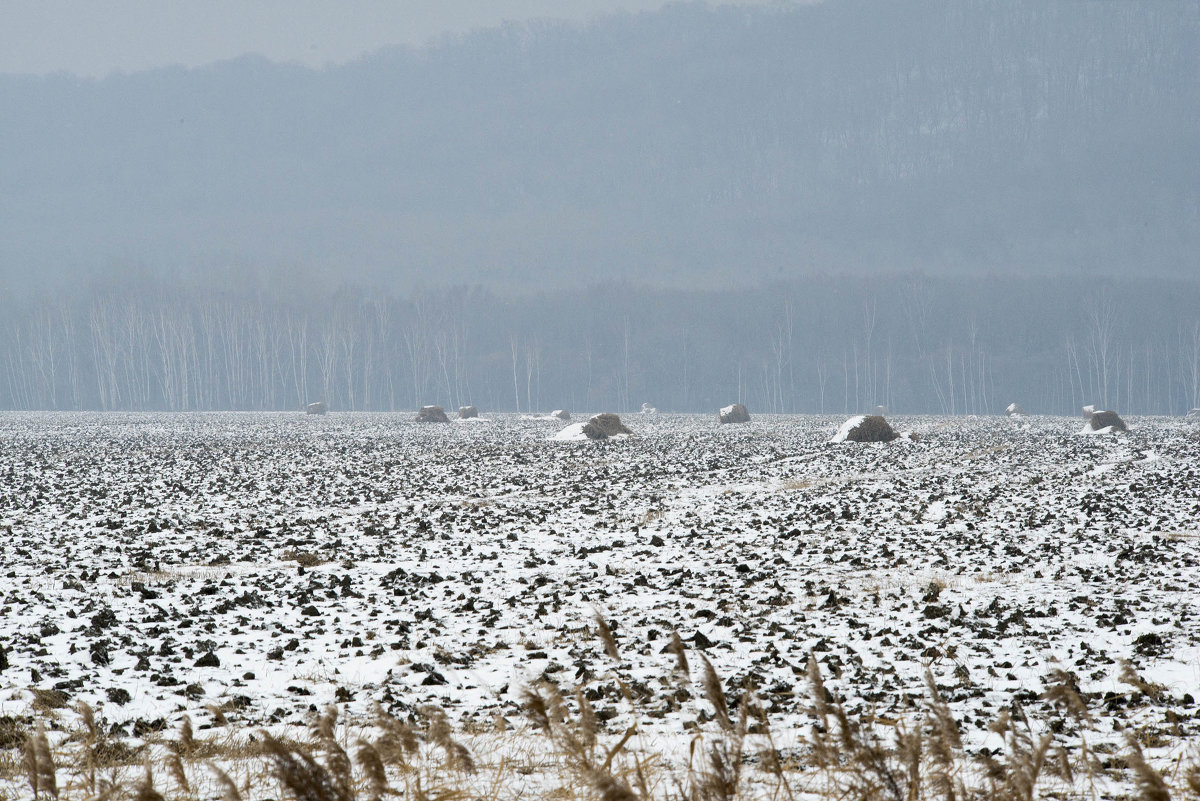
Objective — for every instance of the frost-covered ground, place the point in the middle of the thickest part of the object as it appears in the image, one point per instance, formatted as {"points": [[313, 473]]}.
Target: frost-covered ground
{"points": [[162, 565]]}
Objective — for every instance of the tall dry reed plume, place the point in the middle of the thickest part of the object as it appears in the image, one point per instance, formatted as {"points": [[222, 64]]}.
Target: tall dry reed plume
{"points": [[1063, 693], [677, 649], [184, 747], [145, 790], [1016, 776], [301, 775], [722, 778], [1191, 777], [718, 777], [186, 744], [1130, 676], [92, 738], [174, 765], [606, 637], [1150, 783], [943, 744], [228, 787], [371, 764], [337, 761], [576, 742], [856, 764], [927, 760], [714, 693], [439, 733], [38, 764], [397, 743]]}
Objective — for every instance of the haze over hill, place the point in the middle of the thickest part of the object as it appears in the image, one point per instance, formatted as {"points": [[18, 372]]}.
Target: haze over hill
{"points": [[685, 147]]}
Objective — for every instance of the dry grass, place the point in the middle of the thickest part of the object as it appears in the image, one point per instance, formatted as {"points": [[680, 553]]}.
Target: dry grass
{"points": [[45, 701], [817, 482], [564, 752], [979, 453], [181, 572], [476, 503], [10, 767], [650, 516], [303, 558]]}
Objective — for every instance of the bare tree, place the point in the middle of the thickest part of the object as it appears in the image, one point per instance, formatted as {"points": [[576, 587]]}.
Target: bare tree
{"points": [[1100, 314], [1190, 356]]}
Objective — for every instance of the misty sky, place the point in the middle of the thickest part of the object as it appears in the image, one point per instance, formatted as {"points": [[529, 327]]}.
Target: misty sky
{"points": [[100, 37]]}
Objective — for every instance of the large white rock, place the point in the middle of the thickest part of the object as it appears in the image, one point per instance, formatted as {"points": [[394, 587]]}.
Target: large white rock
{"points": [[734, 413]]}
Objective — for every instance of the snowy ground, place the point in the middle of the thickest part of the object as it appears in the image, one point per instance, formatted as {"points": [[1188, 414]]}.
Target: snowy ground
{"points": [[271, 564]]}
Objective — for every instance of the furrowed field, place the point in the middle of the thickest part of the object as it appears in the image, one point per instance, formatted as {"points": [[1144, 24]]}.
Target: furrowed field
{"points": [[350, 606]]}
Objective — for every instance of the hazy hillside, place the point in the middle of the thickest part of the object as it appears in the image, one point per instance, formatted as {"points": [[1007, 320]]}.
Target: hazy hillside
{"points": [[690, 145]]}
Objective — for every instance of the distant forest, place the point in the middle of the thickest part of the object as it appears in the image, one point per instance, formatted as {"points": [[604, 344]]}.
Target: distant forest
{"points": [[685, 148], [826, 344]]}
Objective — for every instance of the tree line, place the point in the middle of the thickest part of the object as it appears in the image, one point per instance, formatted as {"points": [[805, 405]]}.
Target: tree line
{"points": [[820, 345]]}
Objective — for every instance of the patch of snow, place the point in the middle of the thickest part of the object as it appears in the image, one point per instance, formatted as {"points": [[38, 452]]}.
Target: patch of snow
{"points": [[844, 432], [572, 433]]}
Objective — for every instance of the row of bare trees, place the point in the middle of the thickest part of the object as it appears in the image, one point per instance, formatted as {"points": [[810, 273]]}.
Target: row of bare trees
{"points": [[826, 345], [185, 353]]}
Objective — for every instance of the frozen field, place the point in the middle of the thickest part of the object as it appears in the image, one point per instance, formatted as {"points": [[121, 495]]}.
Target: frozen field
{"points": [[268, 565]]}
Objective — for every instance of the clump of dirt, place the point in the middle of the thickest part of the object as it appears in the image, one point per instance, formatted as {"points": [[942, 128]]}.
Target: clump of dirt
{"points": [[1102, 420], [873, 428], [432, 414]]}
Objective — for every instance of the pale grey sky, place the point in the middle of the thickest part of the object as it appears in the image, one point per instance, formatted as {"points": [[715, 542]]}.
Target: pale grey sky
{"points": [[98, 37]]}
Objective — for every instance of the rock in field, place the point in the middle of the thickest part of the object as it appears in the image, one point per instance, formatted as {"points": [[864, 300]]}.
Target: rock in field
{"points": [[467, 412], [734, 414]]}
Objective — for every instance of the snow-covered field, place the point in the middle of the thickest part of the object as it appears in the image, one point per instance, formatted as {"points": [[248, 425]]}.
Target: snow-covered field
{"points": [[271, 564]]}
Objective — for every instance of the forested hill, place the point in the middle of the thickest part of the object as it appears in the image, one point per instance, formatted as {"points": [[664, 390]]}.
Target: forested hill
{"points": [[686, 147]]}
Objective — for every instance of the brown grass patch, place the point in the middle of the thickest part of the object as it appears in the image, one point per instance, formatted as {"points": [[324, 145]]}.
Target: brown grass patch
{"points": [[303, 558], [46, 700]]}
